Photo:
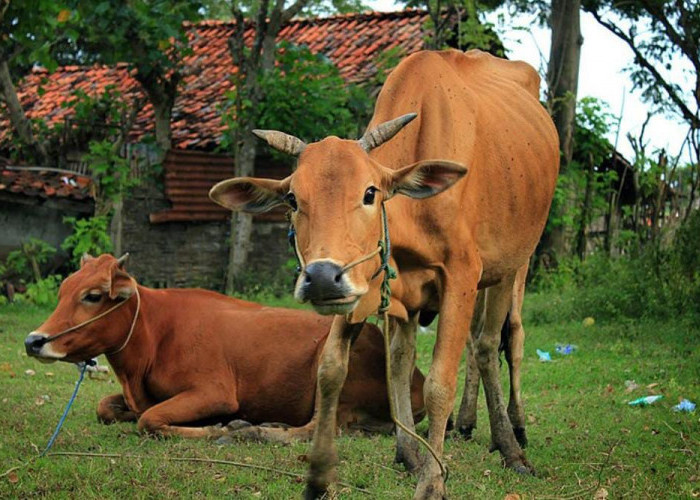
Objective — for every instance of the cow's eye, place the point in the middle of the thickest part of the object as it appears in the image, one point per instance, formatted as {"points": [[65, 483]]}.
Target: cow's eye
{"points": [[291, 200], [369, 195], [93, 298]]}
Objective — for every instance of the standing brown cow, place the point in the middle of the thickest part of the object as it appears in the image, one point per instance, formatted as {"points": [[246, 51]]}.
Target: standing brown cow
{"points": [[475, 111], [185, 356]]}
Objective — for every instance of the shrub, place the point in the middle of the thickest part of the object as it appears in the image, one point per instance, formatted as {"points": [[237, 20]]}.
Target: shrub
{"points": [[25, 263], [45, 291], [89, 236], [657, 282]]}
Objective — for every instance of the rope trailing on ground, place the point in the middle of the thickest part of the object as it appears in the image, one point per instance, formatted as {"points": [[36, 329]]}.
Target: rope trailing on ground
{"points": [[65, 412]]}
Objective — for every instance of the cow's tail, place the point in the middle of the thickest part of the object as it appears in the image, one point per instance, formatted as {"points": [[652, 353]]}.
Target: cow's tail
{"points": [[505, 338]]}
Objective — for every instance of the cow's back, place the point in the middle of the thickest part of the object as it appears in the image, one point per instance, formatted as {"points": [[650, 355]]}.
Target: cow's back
{"points": [[482, 112]]}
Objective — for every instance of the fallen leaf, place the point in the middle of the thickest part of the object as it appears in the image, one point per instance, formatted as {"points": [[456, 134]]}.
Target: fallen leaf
{"points": [[49, 374], [572, 425], [29, 372], [5, 367], [39, 401], [487, 473], [511, 496], [13, 477], [531, 419], [651, 386], [609, 389], [63, 16], [600, 494]]}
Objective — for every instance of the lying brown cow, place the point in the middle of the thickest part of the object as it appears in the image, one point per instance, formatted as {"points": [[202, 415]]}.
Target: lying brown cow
{"points": [[191, 356]]}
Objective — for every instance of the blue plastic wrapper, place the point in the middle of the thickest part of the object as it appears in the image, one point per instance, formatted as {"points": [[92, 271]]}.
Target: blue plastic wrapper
{"points": [[645, 401], [565, 349], [544, 356], [685, 405]]}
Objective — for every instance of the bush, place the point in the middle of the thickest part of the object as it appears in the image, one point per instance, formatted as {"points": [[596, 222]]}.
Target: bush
{"points": [[25, 263], [89, 236], [656, 283], [44, 292]]}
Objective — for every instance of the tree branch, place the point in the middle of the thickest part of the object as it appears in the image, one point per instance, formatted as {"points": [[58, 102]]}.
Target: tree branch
{"points": [[688, 115]]}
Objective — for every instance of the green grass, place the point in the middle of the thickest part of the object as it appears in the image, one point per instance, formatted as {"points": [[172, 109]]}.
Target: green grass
{"points": [[583, 435]]}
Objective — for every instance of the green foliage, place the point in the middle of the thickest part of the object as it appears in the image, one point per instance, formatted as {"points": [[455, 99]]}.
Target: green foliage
{"points": [[29, 29], [304, 93], [591, 148], [25, 263], [656, 282], [89, 236], [44, 292]]}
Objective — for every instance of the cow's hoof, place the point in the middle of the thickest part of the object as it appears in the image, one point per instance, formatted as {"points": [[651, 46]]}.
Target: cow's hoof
{"points": [[521, 467], [466, 431], [431, 489], [235, 425], [520, 436], [312, 492], [409, 457]]}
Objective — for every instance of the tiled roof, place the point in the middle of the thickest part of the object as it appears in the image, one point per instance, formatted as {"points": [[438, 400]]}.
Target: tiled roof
{"points": [[350, 41], [45, 184]]}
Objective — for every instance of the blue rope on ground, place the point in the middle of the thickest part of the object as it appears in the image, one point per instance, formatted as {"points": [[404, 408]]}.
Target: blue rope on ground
{"points": [[65, 412]]}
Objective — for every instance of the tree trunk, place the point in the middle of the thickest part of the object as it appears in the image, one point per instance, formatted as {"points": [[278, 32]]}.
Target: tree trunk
{"points": [[241, 223], [562, 79], [562, 72], [586, 210], [163, 114], [18, 118], [117, 227]]}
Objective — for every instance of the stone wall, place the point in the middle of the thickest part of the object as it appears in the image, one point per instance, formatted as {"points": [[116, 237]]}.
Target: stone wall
{"points": [[191, 254], [23, 217]]}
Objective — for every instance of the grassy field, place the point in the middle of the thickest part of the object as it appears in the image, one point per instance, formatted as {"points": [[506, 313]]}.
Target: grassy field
{"points": [[584, 438]]}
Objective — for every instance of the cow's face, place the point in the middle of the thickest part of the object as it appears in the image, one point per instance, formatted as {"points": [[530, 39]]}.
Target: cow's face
{"points": [[100, 283], [335, 198]]}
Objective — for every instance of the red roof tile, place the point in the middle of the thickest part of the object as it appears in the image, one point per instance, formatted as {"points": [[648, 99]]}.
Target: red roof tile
{"points": [[45, 184], [196, 120]]}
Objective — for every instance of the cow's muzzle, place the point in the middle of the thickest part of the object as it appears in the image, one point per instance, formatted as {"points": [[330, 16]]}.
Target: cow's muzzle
{"points": [[35, 345], [325, 284]]}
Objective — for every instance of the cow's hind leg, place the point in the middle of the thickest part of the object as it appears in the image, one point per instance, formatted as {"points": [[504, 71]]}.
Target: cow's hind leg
{"points": [[186, 407], [514, 356], [466, 418], [498, 302], [113, 409], [403, 360]]}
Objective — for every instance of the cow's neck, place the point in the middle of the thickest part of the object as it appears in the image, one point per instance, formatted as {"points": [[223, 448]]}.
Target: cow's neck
{"points": [[135, 360]]}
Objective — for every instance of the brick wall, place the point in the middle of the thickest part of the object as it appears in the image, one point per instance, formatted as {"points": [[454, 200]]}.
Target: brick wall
{"points": [[186, 254]]}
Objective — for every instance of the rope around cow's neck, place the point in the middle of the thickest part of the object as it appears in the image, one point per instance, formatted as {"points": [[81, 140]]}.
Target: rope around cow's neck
{"points": [[384, 251], [102, 315]]}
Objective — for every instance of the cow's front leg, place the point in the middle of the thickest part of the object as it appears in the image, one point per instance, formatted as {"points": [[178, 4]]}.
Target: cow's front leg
{"points": [[113, 409], [184, 408], [403, 361], [466, 418], [332, 370], [456, 311], [498, 302]]}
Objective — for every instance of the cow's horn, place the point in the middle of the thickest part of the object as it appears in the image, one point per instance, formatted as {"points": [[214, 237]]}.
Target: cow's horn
{"points": [[122, 260], [282, 142], [382, 133]]}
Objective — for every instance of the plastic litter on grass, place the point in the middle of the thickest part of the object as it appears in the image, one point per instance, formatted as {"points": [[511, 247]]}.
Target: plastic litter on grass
{"points": [[645, 401], [685, 405], [544, 355]]}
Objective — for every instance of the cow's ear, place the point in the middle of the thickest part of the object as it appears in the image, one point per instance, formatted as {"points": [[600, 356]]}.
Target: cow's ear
{"points": [[248, 194], [121, 284], [425, 178]]}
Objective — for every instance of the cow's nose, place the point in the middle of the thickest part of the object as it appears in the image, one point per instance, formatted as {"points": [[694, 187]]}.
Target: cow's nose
{"points": [[33, 343], [323, 280]]}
